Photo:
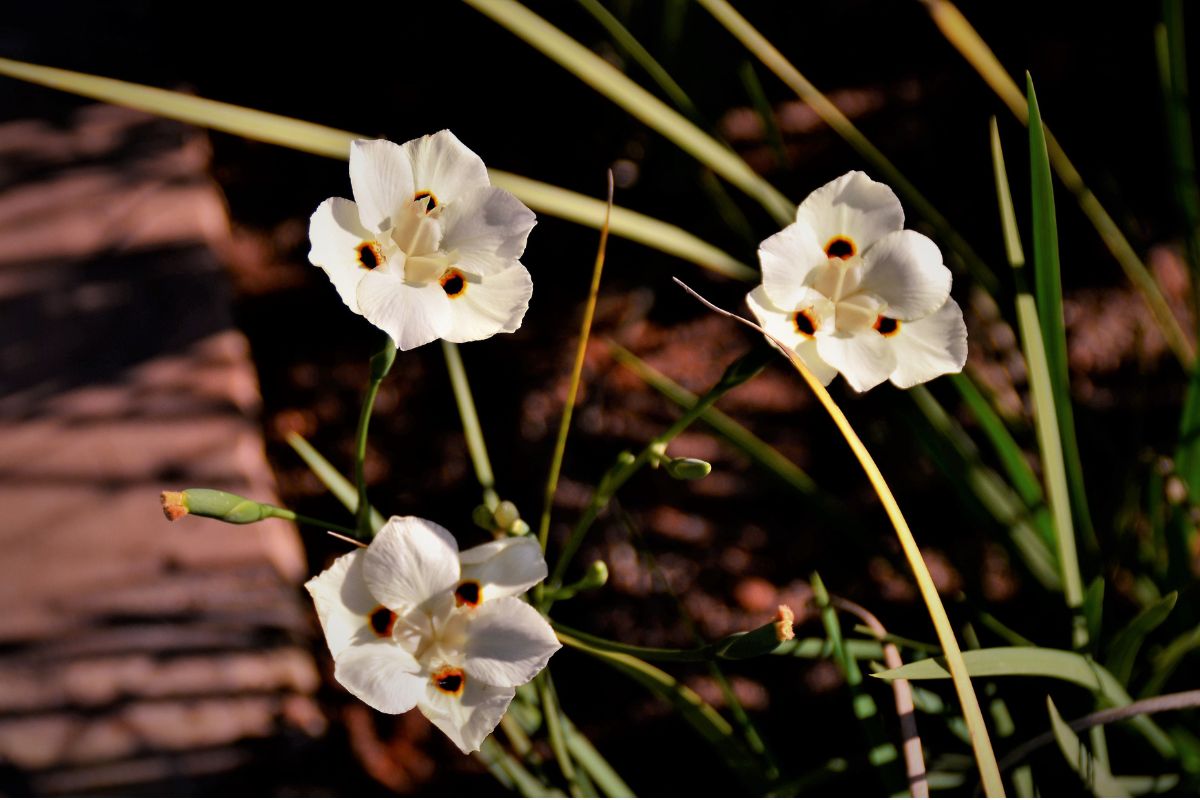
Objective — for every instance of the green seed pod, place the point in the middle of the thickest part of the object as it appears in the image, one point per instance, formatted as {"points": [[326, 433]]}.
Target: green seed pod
{"points": [[224, 506]]}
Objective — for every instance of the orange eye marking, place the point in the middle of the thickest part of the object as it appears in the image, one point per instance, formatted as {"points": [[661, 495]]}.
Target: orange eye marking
{"points": [[450, 680], [805, 322], [453, 283], [382, 620], [369, 255], [469, 594], [840, 247], [433, 201], [887, 326]]}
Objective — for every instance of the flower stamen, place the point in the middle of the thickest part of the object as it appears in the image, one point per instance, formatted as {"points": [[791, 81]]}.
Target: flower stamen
{"points": [[806, 323], [422, 195], [450, 680], [469, 594], [887, 326], [382, 621], [369, 255], [453, 283], [841, 247]]}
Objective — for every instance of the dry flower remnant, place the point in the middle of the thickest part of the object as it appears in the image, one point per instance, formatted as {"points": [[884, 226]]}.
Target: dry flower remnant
{"points": [[428, 249], [413, 623], [850, 290]]}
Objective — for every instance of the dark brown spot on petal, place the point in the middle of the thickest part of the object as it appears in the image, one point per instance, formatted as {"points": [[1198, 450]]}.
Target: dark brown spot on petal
{"points": [[382, 621], [805, 322], [369, 255], [453, 283], [469, 594], [433, 201], [450, 680], [840, 247], [887, 326]]}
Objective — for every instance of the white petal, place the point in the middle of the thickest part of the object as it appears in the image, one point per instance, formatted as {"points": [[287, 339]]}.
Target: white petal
{"points": [[929, 347], [852, 206], [488, 227], [382, 179], [336, 235], [383, 675], [505, 567], [410, 562], [508, 643], [489, 304], [787, 260], [470, 718], [411, 314], [343, 602], [445, 166], [905, 269], [778, 323], [865, 359]]}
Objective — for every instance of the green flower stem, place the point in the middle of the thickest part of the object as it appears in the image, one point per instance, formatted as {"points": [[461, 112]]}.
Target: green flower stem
{"points": [[763, 640], [735, 375], [381, 363], [564, 427], [471, 427]]}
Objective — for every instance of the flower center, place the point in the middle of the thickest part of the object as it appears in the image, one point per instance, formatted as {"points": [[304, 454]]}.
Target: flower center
{"points": [[449, 680], [469, 594]]}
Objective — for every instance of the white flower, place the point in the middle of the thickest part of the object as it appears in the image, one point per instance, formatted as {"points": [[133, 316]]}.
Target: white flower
{"points": [[850, 291], [413, 623], [430, 248]]}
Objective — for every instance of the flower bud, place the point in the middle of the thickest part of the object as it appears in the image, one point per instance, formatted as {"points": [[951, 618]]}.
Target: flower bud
{"points": [[506, 515], [688, 469], [482, 516], [215, 504], [760, 641], [595, 577]]}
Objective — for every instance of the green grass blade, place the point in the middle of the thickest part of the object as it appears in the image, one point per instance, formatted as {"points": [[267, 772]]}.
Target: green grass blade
{"points": [[1125, 645], [1045, 347], [758, 44], [959, 32], [758, 98], [1042, 662], [1093, 609], [333, 143], [334, 481], [613, 84], [1095, 775]]}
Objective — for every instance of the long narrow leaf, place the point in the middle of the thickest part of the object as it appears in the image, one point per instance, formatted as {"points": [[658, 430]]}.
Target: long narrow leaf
{"points": [[334, 481], [1045, 346], [333, 143]]}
